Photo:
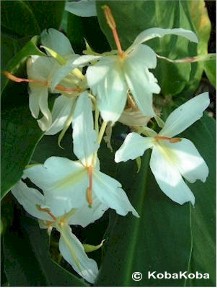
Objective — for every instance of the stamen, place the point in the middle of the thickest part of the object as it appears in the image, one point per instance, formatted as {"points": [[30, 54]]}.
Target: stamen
{"points": [[171, 140], [64, 89], [112, 25], [44, 83], [46, 210], [89, 194], [19, 80]]}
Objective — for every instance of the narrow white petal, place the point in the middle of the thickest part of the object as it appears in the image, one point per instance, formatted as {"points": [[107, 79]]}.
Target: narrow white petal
{"points": [[29, 198], [169, 178], [46, 121], [188, 160], [84, 136], [134, 146], [86, 215], [141, 82], [106, 79], [73, 252], [57, 41], [63, 182], [85, 59], [62, 109], [109, 192], [185, 115], [160, 32], [83, 8], [143, 55], [40, 67], [35, 93]]}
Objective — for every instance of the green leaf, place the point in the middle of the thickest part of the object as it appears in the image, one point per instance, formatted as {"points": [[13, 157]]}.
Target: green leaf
{"points": [[20, 134], [27, 261], [18, 19], [167, 236], [210, 70], [48, 13], [200, 20]]}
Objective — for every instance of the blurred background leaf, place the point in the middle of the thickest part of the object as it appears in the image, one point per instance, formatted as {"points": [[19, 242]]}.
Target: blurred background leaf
{"points": [[20, 134]]}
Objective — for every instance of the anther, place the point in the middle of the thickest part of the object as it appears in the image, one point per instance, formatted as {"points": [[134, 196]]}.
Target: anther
{"points": [[111, 22], [171, 140]]}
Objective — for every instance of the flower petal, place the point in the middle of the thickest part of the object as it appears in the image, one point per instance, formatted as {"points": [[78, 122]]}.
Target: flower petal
{"points": [[141, 82], [83, 8], [62, 110], [169, 178], [188, 160], [134, 146], [63, 182], [86, 215], [160, 32], [73, 252], [85, 59], [106, 79], [109, 192], [57, 41], [29, 198], [84, 136], [185, 115], [41, 67]]}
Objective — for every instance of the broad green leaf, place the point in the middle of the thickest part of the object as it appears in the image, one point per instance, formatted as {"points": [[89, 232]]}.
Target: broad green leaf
{"points": [[167, 236], [47, 13], [17, 19], [210, 70], [75, 32], [27, 261], [20, 134]]}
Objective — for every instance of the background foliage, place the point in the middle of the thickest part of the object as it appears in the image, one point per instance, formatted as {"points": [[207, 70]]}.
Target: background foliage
{"points": [[167, 237]]}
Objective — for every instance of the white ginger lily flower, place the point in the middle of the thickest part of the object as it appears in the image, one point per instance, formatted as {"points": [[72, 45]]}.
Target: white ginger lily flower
{"points": [[54, 74], [113, 75], [79, 183], [172, 158], [70, 247]]}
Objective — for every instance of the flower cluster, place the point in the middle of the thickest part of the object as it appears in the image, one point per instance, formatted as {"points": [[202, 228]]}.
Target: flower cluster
{"points": [[116, 86]]}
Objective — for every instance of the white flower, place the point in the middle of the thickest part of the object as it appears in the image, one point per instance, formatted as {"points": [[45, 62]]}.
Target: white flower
{"points": [[70, 247], [113, 75], [55, 74], [172, 158], [79, 183]]}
